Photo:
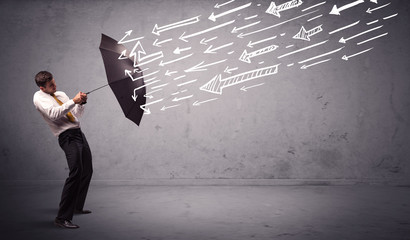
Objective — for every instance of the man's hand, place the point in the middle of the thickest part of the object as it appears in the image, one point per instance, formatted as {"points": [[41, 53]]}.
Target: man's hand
{"points": [[80, 98]]}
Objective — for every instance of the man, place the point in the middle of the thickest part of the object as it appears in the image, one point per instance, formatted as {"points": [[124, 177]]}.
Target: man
{"points": [[61, 114]]}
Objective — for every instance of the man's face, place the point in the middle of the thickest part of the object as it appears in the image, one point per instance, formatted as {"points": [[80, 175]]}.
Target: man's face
{"points": [[50, 87]]}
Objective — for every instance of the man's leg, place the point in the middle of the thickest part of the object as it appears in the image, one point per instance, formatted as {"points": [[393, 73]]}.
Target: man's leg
{"points": [[86, 175], [69, 142]]}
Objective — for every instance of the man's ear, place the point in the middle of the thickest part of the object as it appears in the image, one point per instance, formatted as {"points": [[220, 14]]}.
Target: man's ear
{"points": [[42, 89]]}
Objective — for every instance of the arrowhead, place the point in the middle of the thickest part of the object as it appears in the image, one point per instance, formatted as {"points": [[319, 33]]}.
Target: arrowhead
{"points": [[335, 10], [127, 72], [123, 55], [161, 64], [216, 5], [134, 97], [243, 89], [302, 34], [240, 35], [163, 108], [342, 40], [234, 30], [177, 51], [156, 44], [368, 10], [210, 86], [146, 110], [245, 57], [183, 38], [250, 44], [155, 30], [127, 33], [212, 17], [195, 68], [272, 9], [303, 67], [196, 103], [209, 50], [203, 41], [345, 57]]}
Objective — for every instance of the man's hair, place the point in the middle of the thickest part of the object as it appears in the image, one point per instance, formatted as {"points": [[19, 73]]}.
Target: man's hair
{"points": [[42, 78]]}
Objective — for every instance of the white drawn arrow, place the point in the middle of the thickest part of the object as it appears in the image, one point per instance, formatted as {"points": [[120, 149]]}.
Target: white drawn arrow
{"points": [[246, 88], [128, 33], [229, 70], [241, 35], [345, 27], [165, 108], [146, 110], [184, 38], [321, 55], [216, 84], [347, 57], [179, 50], [336, 10], [275, 10], [235, 29], [377, 8], [123, 55], [148, 95], [223, 4], [139, 59], [305, 35], [201, 67], [169, 73], [213, 50], [198, 103], [181, 98], [213, 17], [157, 30], [134, 96], [246, 57], [175, 60], [128, 72], [158, 44], [313, 64], [251, 44], [344, 40], [205, 41]]}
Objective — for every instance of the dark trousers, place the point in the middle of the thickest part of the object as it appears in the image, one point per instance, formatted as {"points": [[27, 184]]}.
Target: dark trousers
{"points": [[79, 161]]}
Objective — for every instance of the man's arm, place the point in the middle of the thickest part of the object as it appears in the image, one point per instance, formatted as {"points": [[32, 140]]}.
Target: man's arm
{"points": [[46, 106]]}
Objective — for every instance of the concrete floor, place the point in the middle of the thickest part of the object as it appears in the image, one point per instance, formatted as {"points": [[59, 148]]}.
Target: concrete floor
{"points": [[211, 212]]}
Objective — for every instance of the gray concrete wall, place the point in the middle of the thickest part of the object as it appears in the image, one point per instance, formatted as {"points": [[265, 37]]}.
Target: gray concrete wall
{"points": [[334, 120]]}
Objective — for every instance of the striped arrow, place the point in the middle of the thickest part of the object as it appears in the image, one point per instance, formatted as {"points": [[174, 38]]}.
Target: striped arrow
{"points": [[246, 57], [336, 10], [216, 84], [275, 10], [305, 35]]}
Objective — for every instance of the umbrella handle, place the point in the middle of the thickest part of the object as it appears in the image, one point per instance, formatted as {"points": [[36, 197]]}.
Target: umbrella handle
{"points": [[96, 89]]}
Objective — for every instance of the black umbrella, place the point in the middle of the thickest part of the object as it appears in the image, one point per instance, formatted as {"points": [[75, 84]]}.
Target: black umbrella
{"points": [[124, 79]]}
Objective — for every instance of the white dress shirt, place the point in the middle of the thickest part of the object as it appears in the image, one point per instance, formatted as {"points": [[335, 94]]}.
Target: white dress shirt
{"points": [[54, 114]]}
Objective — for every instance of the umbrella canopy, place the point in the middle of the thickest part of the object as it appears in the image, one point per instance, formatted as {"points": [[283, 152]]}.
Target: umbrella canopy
{"points": [[129, 93]]}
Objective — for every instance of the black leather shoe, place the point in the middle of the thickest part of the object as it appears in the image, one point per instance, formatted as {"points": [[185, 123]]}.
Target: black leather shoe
{"points": [[82, 211], [65, 224]]}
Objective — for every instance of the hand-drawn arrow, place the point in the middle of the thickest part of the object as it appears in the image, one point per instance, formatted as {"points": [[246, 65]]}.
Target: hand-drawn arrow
{"points": [[198, 103], [336, 10], [128, 33], [275, 10], [344, 40], [377, 8], [213, 17], [216, 84], [181, 98], [123, 55], [146, 110], [236, 29], [347, 57], [165, 108], [305, 35], [205, 41], [134, 96], [128, 72], [169, 73], [246, 57], [184, 38], [246, 88], [229, 70], [157, 30], [213, 50], [140, 60], [251, 44], [179, 50], [158, 44], [201, 67], [223, 4]]}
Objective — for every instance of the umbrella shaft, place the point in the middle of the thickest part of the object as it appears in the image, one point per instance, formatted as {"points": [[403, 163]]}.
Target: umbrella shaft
{"points": [[96, 89]]}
